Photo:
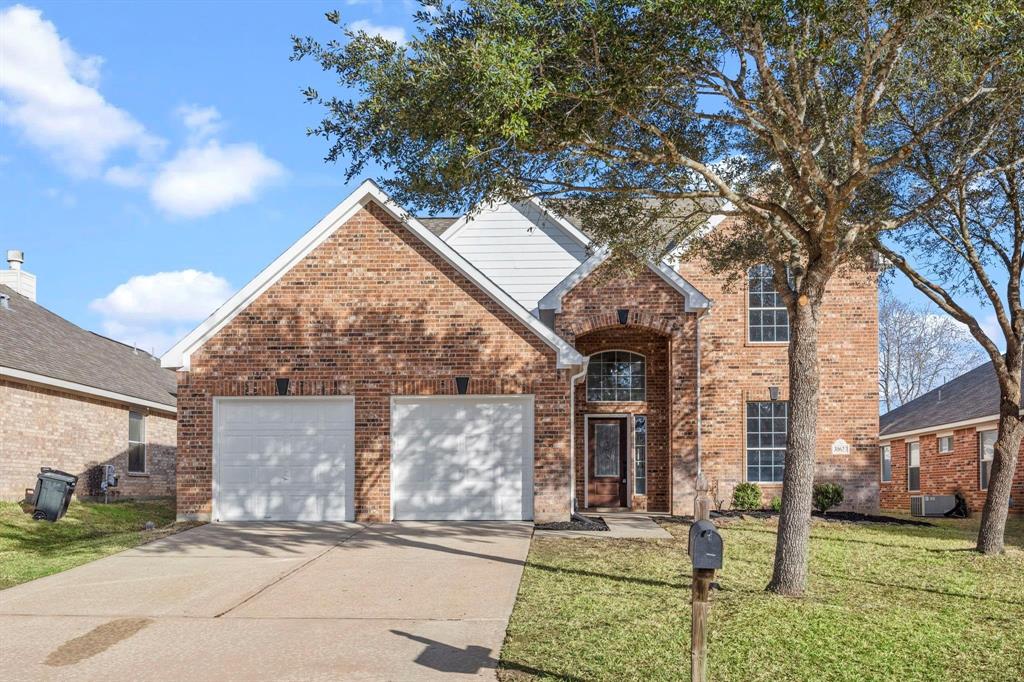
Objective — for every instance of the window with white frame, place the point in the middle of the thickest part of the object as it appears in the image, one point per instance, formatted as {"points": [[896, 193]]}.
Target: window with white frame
{"points": [[616, 376], [767, 317], [766, 440], [945, 444], [640, 454], [886, 464], [986, 453], [136, 443], [913, 466]]}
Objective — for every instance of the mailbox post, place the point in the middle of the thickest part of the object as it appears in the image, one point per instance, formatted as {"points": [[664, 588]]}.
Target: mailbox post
{"points": [[706, 551]]}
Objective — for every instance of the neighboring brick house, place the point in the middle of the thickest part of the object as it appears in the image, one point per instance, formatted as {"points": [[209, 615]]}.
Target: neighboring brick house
{"points": [[943, 443], [72, 400], [491, 367]]}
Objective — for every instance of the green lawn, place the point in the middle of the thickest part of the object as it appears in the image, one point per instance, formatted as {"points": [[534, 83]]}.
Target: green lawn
{"points": [[31, 549], [885, 603]]}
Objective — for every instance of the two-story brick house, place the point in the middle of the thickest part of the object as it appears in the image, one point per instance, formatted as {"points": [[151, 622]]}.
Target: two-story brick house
{"points": [[489, 367]]}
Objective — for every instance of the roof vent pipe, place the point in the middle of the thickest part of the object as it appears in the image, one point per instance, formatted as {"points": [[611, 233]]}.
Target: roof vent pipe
{"points": [[5, 302]]}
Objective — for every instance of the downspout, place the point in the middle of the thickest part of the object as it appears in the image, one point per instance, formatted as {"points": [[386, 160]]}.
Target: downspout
{"points": [[700, 468], [572, 433]]}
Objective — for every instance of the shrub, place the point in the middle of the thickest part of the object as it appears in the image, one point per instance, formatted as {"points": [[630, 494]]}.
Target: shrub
{"points": [[746, 496], [827, 495], [776, 504]]}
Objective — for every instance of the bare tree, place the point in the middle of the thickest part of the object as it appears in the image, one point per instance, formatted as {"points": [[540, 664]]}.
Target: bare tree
{"points": [[919, 348], [971, 246]]}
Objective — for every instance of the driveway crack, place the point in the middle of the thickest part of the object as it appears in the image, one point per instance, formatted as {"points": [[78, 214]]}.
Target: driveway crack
{"points": [[288, 574]]}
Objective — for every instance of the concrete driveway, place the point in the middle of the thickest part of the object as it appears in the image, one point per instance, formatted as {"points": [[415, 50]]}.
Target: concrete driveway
{"points": [[409, 601]]}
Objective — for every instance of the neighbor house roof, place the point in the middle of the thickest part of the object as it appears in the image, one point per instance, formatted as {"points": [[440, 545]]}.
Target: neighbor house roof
{"points": [[41, 347], [180, 354], [971, 397], [438, 224]]}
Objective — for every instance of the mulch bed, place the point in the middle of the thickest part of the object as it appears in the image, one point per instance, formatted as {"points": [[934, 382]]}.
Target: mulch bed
{"points": [[847, 516], [595, 523]]}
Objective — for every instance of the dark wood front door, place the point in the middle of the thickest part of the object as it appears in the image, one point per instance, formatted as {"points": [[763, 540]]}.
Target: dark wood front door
{"points": [[606, 477]]}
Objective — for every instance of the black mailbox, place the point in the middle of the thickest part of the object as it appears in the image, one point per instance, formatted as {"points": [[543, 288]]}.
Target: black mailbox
{"points": [[705, 545]]}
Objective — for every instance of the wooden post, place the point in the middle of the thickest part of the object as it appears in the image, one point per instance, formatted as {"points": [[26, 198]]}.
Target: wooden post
{"points": [[700, 592]]}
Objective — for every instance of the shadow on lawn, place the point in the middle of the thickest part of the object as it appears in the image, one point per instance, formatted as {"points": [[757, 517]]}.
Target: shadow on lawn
{"points": [[608, 576], [930, 590]]}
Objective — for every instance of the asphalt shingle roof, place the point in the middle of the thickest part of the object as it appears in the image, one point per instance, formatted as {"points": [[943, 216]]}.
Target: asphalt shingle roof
{"points": [[33, 339], [971, 395], [437, 225]]}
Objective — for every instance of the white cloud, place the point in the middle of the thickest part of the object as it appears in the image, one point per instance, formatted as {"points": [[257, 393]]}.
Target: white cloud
{"points": [[201, 122], [203, 180], [127, 176], [182, 295], [154, 311], [49, 95], [395, 34]]}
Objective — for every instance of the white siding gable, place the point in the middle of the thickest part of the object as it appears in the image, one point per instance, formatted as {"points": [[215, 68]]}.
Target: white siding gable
{"points": [[520, 248]]}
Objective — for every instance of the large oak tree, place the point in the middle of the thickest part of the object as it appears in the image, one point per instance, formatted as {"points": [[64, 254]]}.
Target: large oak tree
{"points": [[796, 115]]}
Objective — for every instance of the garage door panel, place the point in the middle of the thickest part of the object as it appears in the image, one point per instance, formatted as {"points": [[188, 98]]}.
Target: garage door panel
{"points": [[462, 458], [284, 459]]}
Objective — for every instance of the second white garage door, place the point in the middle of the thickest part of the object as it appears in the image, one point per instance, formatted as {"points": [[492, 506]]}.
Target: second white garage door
{"points": [[462, 458], [283, 459]]}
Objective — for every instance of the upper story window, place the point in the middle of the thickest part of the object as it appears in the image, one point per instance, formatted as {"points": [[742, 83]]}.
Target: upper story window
{"points": [[616, 376], [767, 317], [136, 443]]}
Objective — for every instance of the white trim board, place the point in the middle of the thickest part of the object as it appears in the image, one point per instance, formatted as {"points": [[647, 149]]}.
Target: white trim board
{"points": [[71, 386], [694, 300], [179, 355]]}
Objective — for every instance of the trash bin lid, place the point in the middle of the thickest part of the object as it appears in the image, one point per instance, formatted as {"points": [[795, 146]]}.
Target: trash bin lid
{"points": [[54, 474]]}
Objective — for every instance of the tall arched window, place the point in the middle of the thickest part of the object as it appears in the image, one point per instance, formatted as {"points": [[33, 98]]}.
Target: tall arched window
{"points": [[616, 376]]}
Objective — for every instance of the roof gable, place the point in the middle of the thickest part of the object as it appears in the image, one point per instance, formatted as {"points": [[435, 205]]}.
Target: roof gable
{"points": [[368, 191], [693, 300]]}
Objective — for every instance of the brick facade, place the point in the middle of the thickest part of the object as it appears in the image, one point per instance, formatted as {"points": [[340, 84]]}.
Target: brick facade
{"points": [[735, 371], [944, 473], [373, 312], [657, 328], [44, 427]]}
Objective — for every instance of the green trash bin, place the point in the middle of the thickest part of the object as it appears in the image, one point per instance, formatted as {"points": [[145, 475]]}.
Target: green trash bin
{"points": [[53, 494]]}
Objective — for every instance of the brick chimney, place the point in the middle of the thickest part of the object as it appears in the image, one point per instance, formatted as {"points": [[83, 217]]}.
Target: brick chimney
{"points": [[22, 282]]}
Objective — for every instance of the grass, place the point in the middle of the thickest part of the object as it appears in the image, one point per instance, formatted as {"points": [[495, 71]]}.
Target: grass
{"points": [[884, 602], [33, 549]]}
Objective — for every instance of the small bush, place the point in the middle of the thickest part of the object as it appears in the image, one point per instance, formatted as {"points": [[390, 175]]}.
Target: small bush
{"points": [[827, 495], [746, 496], [776, 504]]}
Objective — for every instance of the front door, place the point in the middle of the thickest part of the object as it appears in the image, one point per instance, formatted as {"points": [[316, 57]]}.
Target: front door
{"points": [[606, 484]]}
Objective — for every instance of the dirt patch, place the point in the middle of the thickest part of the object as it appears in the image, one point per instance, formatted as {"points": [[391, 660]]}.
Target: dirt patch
{"points": [[595, 523], [727, 515], [96, 641]]}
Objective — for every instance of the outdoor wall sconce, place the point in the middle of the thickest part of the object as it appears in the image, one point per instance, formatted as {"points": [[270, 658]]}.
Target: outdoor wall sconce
{"points": [[773, 393], [282, 386], [462, 385], [623, 315]]}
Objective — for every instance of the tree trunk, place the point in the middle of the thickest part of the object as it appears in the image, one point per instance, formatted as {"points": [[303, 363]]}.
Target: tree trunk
{"points": [[1000, 481], [791, 547]]}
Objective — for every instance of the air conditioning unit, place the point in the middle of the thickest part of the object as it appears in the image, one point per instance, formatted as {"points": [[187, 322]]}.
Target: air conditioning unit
{"points": [[931, 505]]}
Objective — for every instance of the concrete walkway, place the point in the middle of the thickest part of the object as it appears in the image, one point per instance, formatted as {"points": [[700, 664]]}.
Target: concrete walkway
{"points": [[621, 525], [410, 601]]}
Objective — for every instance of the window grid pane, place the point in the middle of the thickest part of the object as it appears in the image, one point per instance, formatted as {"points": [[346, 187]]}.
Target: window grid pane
{"points": [[913, 466], [766, 441], [616, 376], [767, 317], [640, 456], [886, 464]]}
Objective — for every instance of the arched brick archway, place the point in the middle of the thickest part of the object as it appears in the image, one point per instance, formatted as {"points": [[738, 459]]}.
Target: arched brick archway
{"points": [[635, 318]]}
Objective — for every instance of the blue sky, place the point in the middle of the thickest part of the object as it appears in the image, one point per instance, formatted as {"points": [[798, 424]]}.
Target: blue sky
{"points": [[154, 155]]}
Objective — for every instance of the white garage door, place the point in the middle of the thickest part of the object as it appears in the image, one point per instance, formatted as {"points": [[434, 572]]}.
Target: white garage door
{"points": [[462, 458], [283, 459]]}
